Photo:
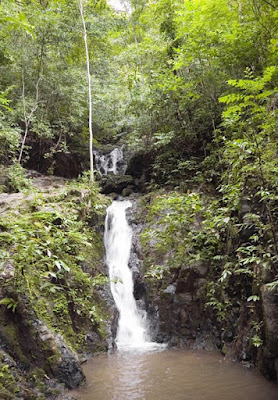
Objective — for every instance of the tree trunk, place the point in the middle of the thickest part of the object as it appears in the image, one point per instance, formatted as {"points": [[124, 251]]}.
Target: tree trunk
{"points": [[80, 5], [27, 118]]}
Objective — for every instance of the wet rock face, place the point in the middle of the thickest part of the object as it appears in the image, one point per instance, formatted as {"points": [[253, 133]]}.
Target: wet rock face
{"points": [[270, 311], [64, 364], [29, 342], [140, 290], [135, 260], [68, 164], [139, 165], [270, 315], [175, 309], [182, 316], [69, 372], [112, 323]]}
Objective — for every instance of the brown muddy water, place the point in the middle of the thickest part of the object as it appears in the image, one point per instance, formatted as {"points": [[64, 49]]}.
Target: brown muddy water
{"points": [[172, 375]]}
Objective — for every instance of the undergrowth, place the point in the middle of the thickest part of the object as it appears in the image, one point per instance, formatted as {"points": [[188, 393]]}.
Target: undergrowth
{"points": [[51, 253]]}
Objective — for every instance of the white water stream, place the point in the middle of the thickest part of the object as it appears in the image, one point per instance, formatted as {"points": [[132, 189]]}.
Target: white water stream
{"points": [[132, 333]]}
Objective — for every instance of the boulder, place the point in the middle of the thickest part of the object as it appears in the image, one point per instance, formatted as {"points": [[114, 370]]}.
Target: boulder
{"points": [[115, 183], [64, 363], [27, 339]]}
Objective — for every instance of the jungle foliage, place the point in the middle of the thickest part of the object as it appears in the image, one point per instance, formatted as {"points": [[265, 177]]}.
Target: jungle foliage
{"points": [[51, 256], [161, 76]]}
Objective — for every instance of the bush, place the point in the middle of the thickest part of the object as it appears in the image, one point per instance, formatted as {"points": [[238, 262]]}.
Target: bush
{"points": [[9, 143], [17, 180]]}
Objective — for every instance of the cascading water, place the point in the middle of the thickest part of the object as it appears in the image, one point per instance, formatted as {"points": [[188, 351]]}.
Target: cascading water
{"points": [[132, 326], [112, 162]]}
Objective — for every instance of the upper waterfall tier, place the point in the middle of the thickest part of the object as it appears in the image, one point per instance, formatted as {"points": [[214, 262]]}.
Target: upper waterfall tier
{"points": [[112, 162]]}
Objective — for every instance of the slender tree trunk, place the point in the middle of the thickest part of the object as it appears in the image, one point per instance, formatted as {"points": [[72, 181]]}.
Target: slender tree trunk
{"points": [[27, 118], [80, 5]]}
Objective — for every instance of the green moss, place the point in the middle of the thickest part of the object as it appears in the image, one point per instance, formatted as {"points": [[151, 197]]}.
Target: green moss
{"points": [[53, 361], [36, 379], [9, 331], [8, 384], [12, 382]]}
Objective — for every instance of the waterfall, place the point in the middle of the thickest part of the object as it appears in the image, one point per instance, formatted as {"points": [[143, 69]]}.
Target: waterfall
{"points": [[132, 330], [112, 162]]}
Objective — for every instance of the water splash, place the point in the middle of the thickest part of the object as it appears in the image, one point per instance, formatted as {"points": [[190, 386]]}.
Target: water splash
{"points": [[132, 331]]}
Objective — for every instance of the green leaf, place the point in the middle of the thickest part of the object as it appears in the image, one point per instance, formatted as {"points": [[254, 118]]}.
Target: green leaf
{"points": [[253, 298]]}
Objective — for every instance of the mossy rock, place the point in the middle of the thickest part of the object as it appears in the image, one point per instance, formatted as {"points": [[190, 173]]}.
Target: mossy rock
{"points": [[115, 183]]}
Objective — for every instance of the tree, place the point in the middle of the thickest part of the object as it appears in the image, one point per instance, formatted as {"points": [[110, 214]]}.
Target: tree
{"points": [[81, 9], [27, 116]]}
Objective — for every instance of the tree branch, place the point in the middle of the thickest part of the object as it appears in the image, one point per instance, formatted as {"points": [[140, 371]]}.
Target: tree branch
{"points": [[271, 5]]}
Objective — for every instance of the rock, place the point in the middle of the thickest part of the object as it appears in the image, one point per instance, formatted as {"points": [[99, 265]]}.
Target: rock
{"points": [[11, 200], [92, 337], [127, 192], [245, 207], [186, 281], [268, 360], [67, 366], [139, 165], [65, 164], [115, 183], [4, 181], [31, 173], [8, 271], [49, 210], [113, 195], [185, 298], [200, 268], [171, 289], [183, 315], [69, 372], [139, 291], [270, 315], [64, 363], [46, 337], [200, 283], [210, 344]]}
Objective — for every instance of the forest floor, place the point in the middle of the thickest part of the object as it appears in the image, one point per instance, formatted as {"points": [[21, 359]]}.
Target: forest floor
{"points": [[41, 185]]}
